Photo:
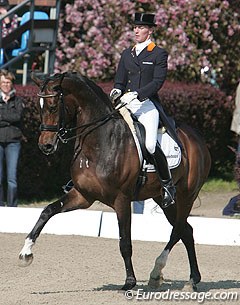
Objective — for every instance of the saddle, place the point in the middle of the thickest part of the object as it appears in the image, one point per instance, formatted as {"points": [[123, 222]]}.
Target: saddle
{"points": [[169, 146]]}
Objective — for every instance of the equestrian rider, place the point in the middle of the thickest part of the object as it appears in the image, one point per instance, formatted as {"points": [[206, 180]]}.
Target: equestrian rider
{"points": [[140, 74]]}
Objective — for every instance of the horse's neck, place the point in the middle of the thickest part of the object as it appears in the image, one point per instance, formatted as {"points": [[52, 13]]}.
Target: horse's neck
{"points": [[91, 104]]}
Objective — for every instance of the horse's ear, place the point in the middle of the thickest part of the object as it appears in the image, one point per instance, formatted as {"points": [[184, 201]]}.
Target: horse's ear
{"points": [[36, 79]]}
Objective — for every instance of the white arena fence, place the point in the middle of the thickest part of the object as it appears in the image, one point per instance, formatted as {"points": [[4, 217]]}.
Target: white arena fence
{"points": [[150, 226]]}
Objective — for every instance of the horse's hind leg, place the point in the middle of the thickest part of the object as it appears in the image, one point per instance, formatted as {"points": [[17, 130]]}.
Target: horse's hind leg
{"points": [[181, 230], [188, 240], [71, 201], [156, 276]]}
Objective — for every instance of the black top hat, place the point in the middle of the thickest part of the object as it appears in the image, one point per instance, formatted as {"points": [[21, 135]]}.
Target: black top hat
{"points": [[144, 19], [4, 3]]}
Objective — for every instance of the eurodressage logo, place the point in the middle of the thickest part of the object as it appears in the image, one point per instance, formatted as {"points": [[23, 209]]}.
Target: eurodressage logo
{"points": [[199, 297]]}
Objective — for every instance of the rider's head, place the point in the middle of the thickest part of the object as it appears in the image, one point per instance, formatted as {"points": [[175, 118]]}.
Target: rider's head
{"points": [[143, 26]]}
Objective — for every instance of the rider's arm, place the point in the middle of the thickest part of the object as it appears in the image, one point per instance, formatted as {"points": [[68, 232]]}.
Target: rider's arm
{"points": [[121, 74]]}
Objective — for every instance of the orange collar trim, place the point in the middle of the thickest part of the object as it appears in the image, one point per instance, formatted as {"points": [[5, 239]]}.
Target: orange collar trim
{"points": [[151, 46]]}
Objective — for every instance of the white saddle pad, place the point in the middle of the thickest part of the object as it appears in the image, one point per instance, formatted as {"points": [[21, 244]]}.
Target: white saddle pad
{"points": [[170, 148]]}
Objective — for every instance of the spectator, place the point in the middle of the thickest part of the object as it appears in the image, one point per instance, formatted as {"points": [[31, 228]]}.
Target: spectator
{"points": [[138, 207], [11, 109], [235, 126], [233, 206], [9, 24]]}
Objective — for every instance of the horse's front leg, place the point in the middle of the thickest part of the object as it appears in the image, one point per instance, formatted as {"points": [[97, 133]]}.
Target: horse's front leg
{"points": [[71, 201], [125, 242]]}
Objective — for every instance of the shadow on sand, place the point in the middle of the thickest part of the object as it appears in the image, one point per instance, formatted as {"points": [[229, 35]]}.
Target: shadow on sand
{"points": [[177, 285]]}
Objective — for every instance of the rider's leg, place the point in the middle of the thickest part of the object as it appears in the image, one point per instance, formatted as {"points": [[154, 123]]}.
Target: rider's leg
{"points": [[161, 166], [150, 120]]}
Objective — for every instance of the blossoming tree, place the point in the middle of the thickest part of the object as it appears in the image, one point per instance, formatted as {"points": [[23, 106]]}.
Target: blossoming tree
{"points": [[197, 34]]}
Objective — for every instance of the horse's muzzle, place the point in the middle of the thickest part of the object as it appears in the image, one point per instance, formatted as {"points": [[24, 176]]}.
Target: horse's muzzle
{"points": [[47, 149]]}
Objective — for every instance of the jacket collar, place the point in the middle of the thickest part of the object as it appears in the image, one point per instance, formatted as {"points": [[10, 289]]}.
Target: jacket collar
{"points": [[145, 52], [11, 95], [149, 44]]}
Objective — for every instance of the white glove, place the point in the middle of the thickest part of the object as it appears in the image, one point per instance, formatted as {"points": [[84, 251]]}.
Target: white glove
{"points": [[128, 97], [114, 94]]}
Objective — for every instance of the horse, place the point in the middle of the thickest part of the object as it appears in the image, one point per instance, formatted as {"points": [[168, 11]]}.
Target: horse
{"points": [[105, 167]]}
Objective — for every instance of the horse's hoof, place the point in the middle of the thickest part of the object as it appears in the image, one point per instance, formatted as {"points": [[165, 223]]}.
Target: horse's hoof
{"points": [[25, 260], [190, 286], [154, 283], [129, 284]]}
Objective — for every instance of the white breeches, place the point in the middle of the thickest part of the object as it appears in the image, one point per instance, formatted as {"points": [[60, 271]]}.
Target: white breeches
{"points": [[148, 115]]}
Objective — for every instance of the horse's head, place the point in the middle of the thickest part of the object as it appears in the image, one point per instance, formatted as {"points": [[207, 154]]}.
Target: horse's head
{"points": [[53, 112], [65, 97]]}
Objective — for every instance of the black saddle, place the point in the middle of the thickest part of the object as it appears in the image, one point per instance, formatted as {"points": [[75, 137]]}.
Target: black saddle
{"points": [[141, 135]]}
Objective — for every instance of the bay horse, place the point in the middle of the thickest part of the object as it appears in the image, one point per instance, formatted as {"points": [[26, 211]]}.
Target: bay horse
{"points": [[105, 167]]}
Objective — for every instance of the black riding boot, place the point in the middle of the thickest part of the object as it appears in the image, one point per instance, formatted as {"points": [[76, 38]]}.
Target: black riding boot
{"points": [[164, 174]]}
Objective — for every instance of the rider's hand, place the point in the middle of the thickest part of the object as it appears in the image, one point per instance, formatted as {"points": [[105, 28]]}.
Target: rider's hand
{"points": [[114, 94], [128, 97]]}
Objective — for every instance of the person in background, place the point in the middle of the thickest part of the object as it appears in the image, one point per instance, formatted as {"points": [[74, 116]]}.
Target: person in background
{"points": [[11, 110], [235, 125], [233, 206], [138, 207], [141, 73], [9, 24]]}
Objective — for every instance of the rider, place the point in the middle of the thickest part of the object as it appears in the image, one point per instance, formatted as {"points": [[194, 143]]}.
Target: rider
{"points": [[141, 73]]}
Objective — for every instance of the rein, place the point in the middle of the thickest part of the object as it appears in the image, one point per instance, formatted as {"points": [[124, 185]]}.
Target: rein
{"points": [[60, 128], [94, 125]]}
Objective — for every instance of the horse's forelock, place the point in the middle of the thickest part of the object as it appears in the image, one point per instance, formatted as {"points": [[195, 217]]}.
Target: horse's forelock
{"points": [[58, 77]]}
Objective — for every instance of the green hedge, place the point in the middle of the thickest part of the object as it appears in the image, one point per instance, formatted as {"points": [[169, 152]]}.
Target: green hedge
{"points": [[201, 106], [210, 111]]}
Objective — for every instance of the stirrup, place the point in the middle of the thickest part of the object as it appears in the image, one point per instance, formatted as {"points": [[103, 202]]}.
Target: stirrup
{"points": [[168, 197]]}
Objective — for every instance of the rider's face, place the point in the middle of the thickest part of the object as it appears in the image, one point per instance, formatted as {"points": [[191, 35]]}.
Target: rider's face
{"points": [[142, 33]]}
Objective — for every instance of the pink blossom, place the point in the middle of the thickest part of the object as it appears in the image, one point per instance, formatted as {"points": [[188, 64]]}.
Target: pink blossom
{"points": [[230, 31], [100, 30]]}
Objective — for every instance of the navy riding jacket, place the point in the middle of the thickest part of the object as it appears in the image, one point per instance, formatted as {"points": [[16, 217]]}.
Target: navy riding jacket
{"points": [[144, 73]]}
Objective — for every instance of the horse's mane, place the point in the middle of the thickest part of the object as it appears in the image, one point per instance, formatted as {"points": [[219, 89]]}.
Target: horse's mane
{"points": [[97, 90]]}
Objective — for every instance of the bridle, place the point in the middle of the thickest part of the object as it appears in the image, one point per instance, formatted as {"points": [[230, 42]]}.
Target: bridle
{"points": [[57, 127], [60, 128]]}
